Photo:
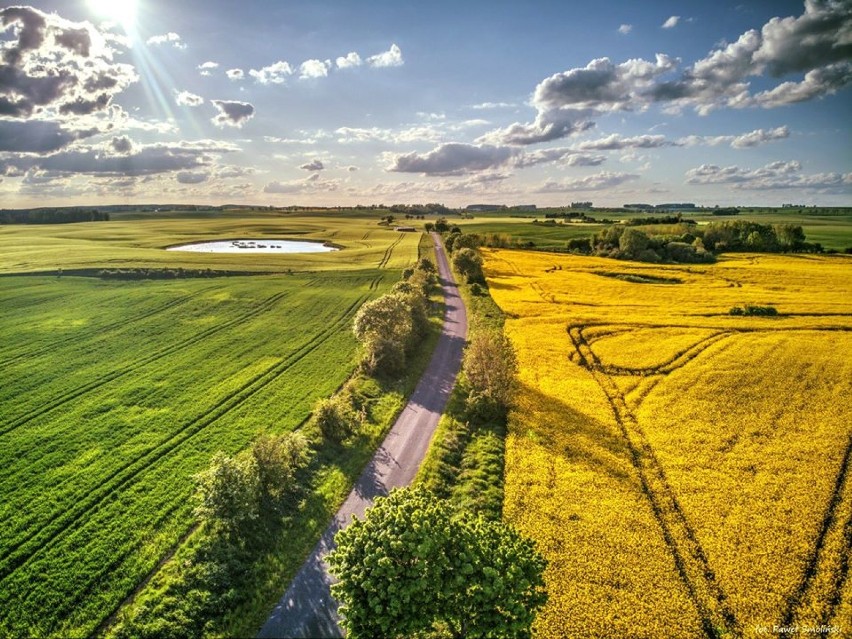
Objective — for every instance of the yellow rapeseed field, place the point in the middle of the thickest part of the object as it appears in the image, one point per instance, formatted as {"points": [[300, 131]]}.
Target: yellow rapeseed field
{"points": [[685, 471]]}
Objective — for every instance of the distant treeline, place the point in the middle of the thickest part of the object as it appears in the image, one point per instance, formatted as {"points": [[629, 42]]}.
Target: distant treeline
{"points": [[696, 245], [52, 216]]}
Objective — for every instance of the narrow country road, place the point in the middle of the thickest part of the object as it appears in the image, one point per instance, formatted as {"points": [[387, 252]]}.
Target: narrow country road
{"points": [[307, 609]]}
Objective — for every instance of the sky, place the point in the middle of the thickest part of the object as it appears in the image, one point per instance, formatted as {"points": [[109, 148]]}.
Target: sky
{"points": [[322, 102]]}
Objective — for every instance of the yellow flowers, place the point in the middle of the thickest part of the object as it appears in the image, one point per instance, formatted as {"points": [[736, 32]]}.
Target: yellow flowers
{"points": [[682, 469]]}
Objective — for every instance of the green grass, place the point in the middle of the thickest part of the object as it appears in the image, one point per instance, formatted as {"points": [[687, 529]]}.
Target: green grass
{"points": [[114, 393], [128, 243]]}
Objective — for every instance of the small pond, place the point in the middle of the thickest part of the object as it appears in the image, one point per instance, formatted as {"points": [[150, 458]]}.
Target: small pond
{"points": [[255, 246]]}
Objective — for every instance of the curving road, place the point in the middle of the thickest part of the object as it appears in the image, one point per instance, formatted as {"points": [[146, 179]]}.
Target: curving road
{"points": [[307, 609]]}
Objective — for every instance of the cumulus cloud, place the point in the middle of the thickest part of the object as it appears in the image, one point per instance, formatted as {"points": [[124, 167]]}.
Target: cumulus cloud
{"points": [[616, 142], [566, 156], [818, 44], [37, 136], [275, 73], [314, 69], [742, 141], [53, 67], [552, 124], [167, 38], [776, 175], [185, 98], [671, 22], [121, 145], [139, 161], [596, 182], [207, 68], [189, 177], [493, 105], [311, 184], [235, 74], [390, 58], [233, 114], [624, 29], [314, 165], [452, 159], [351, 59]]}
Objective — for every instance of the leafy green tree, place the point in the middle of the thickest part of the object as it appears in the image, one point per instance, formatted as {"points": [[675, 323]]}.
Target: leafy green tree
{"points": [[413, 565], [468, 262], [387, 317], [490, 366], [278, 459], [228, 493], [632, 242], [335, 418], [469, 240]]}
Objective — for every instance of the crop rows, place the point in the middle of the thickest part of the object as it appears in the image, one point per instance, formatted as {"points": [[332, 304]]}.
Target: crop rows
{"points": [[78, 542]]}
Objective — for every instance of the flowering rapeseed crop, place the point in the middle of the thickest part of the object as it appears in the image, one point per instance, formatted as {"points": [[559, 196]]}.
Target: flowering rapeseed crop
{"points": [[684, 470]]}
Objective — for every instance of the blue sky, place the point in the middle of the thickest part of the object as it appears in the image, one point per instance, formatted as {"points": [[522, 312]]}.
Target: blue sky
{"points": [[273, 102]]}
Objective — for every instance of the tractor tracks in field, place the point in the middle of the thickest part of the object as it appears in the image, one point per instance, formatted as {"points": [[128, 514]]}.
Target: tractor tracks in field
{"points": [[691, 561], [816, 598], [389, 251], [115, 374], [85, 335], [25, 550]]}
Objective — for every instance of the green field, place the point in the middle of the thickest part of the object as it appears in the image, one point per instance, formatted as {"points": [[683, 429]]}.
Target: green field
{"points": [[114, 393]]}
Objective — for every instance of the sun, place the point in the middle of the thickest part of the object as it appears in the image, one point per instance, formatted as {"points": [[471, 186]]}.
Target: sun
{"points": [[122, 12]]}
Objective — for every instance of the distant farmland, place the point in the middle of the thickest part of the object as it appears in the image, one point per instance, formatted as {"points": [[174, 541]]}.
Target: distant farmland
{"points": [[114, 393], [685, 471]]}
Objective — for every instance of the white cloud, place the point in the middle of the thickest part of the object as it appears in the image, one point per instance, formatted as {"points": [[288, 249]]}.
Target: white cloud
{"points": [[314, 69], [452, 159], [167, 38], [233, 114], [597, 182], [275, 73], [185, 98], [235, 74], [312, 184], [390, 58], [671, 23], [493, 105], [616, 142], [776, 175], [624, 29], [56, 68], [189, 177], [742, 141], [314, 165], [352, 59], [206, 68]]}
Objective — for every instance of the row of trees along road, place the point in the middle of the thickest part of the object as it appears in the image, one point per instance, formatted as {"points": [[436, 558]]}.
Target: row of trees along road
{"points": [[415, 566]]}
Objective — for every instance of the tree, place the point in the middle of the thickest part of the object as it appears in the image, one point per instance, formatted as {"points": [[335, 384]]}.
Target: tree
{"points": [[335, 418], [413, 565], [278, 459], [632, 242], [489, 366], [228, 493], [469, 263], [387, 317]]}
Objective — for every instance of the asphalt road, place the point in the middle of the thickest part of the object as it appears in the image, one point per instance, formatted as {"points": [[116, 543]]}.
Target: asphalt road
{"points": [[307, 609]]}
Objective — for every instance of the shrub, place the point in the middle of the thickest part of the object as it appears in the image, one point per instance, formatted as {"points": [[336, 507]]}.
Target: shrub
{"points": [[278, 459], [228, 493], [753, 310], [335, 418], [468, 263]]}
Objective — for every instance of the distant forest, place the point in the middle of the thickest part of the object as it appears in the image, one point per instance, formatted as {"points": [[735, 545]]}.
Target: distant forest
{"points": [[52, 216]]}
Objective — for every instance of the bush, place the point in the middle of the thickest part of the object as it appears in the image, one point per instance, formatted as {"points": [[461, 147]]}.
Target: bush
{"points": [[750, 309], [335, 418], [468, 263], [489, 366], [278, 459], [228, 493]]}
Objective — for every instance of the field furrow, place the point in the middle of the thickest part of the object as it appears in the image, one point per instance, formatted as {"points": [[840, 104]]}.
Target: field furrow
{"points": [[717, 618], [30, 546]]}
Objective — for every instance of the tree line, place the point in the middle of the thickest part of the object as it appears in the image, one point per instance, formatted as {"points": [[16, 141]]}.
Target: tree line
{"points": [[53, 216]]}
